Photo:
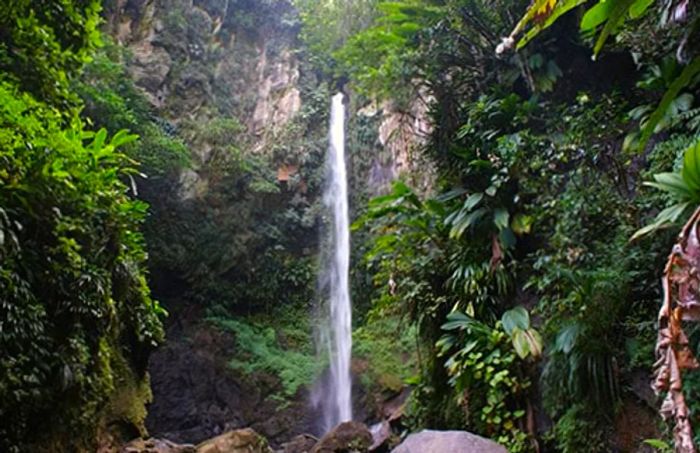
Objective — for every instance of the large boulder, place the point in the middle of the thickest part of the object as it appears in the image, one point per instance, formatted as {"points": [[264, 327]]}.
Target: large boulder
{"points": [[448, 442], [348, 437], [381, 436], [238, 441]]}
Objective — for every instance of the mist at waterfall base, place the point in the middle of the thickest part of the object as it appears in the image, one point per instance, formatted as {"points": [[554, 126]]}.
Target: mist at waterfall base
{"points": [[332, 394]]}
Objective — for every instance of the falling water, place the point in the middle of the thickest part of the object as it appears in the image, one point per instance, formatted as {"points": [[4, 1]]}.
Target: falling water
{"points": [[337, 404]]}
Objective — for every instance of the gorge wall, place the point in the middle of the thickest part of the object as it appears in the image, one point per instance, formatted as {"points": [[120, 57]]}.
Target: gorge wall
{"points": [[234, 233]]}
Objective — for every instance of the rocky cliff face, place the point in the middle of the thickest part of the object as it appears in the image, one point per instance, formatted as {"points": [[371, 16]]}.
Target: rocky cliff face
{"points": [[401, 131], [230, 75], [197, 60]]}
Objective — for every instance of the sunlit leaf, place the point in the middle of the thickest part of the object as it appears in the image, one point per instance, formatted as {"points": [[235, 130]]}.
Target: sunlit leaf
{"points": [[672, 183], [688, 73], [597, 14], [691, 167]]}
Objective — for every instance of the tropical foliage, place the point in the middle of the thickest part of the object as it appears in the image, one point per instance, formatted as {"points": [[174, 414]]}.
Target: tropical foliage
{"points": [[515, 289], [541, 160], [76, 316]]}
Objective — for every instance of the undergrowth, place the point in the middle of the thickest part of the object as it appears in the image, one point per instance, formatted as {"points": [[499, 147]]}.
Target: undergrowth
{"points": [[389, 348], [279, 345]]}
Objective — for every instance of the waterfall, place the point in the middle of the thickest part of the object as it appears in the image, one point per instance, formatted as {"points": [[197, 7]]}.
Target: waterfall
{"points": [[334, 395]]}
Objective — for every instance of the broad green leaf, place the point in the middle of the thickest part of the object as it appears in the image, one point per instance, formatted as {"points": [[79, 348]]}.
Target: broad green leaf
{"points": [[520, 343], [122, 138], [445, 342], [561, 8], [469, 347], [383, 199], [501, 218], [99, 139], [435, 207], [639, 7], [597, 15], [691, 167], [481, 163], [527, 342], [672, 183], [688, 73], [616, 18], [455, 216], [534, 340], [517, 317], [473, 200], [457, 320], [400, 188]]}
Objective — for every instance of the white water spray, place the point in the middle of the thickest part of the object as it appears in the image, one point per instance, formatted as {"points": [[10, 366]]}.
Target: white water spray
{"points": [[336, 400]]}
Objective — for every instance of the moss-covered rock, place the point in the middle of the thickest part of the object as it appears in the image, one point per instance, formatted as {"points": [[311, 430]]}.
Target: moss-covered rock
{"points": [[238, 441]]}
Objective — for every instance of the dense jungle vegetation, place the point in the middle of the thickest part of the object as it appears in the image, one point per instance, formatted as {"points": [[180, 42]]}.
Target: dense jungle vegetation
{"points": [[528, 268], [510, 275]]}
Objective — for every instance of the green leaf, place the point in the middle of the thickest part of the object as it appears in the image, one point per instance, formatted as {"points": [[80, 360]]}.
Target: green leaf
{"points": [[672, 183], [688, 73], [445, 343], [597, 15], [472, 201], [659, 444], [566, 338], [400, 188], [462, 222], [122, 138], [562, 8], [615, 19], [534, 340], [515, 318], [457, 320], [501, 218], [99, 139], [520, 344], [666, 217], [521, 224], [451, 194], [691, 167], [507, 238]]}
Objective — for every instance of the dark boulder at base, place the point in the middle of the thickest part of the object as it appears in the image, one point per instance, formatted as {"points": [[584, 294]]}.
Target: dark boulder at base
{"points": [[348, 437], [447, 442]]}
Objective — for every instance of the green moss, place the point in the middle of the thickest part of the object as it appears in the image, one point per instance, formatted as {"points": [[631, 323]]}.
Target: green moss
{"points": [[388, 347], [129, 397]]}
